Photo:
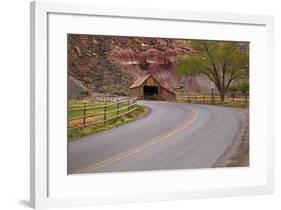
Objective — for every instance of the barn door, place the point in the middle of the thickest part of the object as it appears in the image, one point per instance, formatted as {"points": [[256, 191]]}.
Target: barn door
{"points": [[151, 92]]}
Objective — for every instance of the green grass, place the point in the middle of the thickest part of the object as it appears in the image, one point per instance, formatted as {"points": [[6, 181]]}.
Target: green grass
{"points": [[234, 104], [238, 102], [77, 133], [80, 104]]}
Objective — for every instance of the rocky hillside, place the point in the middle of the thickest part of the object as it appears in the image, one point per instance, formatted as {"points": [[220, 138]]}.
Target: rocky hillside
{"points": [[110, 64]]}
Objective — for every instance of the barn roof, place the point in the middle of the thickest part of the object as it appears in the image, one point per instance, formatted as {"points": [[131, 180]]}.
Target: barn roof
{"points": [[140, 81]]}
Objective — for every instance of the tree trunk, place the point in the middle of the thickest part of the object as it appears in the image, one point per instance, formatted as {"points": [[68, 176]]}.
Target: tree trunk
{"points": [[221, 92], [222, 95]]}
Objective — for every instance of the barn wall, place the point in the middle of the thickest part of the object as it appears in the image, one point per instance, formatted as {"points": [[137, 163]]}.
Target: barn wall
{"points": [[164, 94], [150, 82], [137, 92]]}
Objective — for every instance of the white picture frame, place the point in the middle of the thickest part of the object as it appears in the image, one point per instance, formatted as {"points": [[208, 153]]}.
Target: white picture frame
{"points": [[41, 154]]}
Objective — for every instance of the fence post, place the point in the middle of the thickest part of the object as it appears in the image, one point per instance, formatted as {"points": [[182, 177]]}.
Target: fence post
{"points": [[117, 107], [104, 115], [84, 114], [129, 102], [233, 97]]}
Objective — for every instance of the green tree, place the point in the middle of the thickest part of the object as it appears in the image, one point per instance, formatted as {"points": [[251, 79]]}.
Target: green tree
{"points": [[243, 88], [221, 62]]}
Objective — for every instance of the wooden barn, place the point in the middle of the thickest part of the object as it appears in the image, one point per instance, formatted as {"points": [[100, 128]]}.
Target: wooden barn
{"points": [[149, 88]]}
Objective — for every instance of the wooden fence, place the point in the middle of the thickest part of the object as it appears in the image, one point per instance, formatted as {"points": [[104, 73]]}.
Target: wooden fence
{"points": [[109, 112], [198, 98], [111, 98]]}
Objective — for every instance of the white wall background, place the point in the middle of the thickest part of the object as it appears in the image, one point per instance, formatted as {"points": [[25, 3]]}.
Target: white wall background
{"points": [[14, 106]]}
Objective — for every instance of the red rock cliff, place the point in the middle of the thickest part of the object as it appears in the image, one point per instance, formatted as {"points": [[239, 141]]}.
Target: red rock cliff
{"points": [[107, 63]]}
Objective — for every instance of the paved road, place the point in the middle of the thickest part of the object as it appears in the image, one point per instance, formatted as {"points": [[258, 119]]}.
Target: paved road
{"points": [[172, 136]]}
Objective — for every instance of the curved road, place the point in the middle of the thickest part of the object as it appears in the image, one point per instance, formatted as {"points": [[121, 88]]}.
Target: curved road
{"points": [[172, 136]]}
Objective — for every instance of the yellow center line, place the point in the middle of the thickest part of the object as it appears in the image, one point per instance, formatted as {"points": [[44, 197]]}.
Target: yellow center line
{"points": [[141, 147]]}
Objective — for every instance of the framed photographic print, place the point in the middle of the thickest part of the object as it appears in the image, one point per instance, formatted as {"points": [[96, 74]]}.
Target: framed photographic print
{"points": [[132, 105]]}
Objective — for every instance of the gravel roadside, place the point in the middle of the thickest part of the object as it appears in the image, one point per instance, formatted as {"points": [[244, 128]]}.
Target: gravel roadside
{"points": [[237, 155]]}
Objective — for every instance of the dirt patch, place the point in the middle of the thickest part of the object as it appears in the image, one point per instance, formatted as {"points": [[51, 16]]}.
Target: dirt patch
{"points": [[237, 155]]}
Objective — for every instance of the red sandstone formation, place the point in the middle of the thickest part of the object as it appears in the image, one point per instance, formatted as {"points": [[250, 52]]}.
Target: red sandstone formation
{"points": [[105, 63]]}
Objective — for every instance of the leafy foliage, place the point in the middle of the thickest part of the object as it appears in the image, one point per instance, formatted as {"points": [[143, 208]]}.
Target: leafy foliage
{"points": [[243, 88], [221, 62], [85, 93]]}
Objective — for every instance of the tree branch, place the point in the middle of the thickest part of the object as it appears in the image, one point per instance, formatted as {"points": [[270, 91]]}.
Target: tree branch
{"points": [[215, 72]]}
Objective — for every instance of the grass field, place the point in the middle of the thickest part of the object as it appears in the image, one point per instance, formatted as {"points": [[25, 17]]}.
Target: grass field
{"points": [[72, 114], [76, 133], [237, 102]]}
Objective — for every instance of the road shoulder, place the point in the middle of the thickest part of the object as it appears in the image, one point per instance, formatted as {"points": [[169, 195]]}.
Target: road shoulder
{"points": [[237, 154]]}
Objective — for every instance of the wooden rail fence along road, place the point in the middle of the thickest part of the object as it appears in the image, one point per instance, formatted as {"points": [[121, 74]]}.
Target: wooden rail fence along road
{"points": [[90, 115], [197, 98], [94, 113]]}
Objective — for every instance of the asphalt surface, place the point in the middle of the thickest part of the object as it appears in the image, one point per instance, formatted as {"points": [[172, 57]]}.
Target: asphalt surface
{"points": [[172, 136]]}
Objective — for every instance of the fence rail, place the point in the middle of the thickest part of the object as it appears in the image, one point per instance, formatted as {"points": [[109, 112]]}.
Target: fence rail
{"points": [[120, 106], [129, 105], [212, 98]]}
